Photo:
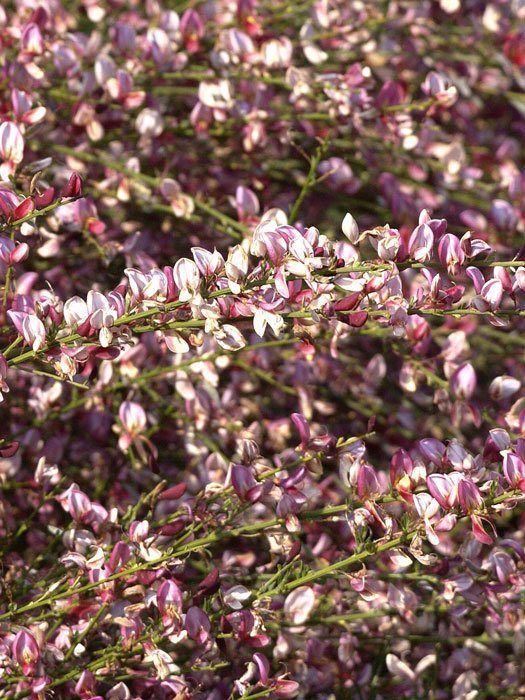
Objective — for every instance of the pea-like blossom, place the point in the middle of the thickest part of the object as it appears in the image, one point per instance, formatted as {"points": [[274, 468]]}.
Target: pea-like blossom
{"points": [[25, 651], [11, 148]]}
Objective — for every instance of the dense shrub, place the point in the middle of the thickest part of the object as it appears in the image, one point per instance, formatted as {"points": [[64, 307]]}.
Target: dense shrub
{"points": [[263, 279]]}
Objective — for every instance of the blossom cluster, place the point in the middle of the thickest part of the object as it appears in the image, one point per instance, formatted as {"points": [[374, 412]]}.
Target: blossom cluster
{"points": [[262, 311]]}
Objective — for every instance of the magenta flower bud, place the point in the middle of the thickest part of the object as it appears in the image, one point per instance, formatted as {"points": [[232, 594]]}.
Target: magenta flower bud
{"points": [[11, 143], [25, 651], [8, 202], [502, 274], [173, 493], [439, 87], [391, 93], [421, 242], [514, 470], [444, 488], [73, 188], [450, 253], [173, 528], [350, 228], [186, 277], [463, 381], [172, 289], [502, 564], [368, 485], [357, 319], [79, 505], [492, 293], [120, 556], [244, 484], [20, 253], [30, 328], [246, 203], [197, 625], [520, 279], [11, 253], [469, 496]]}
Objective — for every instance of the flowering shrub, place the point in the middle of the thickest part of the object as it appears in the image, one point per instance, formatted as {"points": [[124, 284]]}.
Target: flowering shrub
{"points": [[262, 355]]}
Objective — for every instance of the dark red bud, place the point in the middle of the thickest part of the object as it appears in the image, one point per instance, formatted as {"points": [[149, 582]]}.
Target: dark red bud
{"points": [[210, 580], [173, 493], [172, 529], [348, 303], [9, 450], [358, 319], [23, 209], [45, 198], [73, 187]]}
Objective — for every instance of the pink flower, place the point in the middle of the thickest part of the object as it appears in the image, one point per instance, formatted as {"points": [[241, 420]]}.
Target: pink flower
{"points": [[32, 41], [133, 419], [451, 254], [438, 86], [11, 148], [246, 203], [192, 30], [30, 328], [350, 228], [147, 285], [11, 252], [514, 470], [25, 651], [368, 486], [197, 625], [207, 262], [492, 293], [299, 604], [73, 187], [428, 508], [187, 278], [463, 381], [169, 602], [469, 495], [444, 488], [421, 242], [182, 204], [244, 484]]}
